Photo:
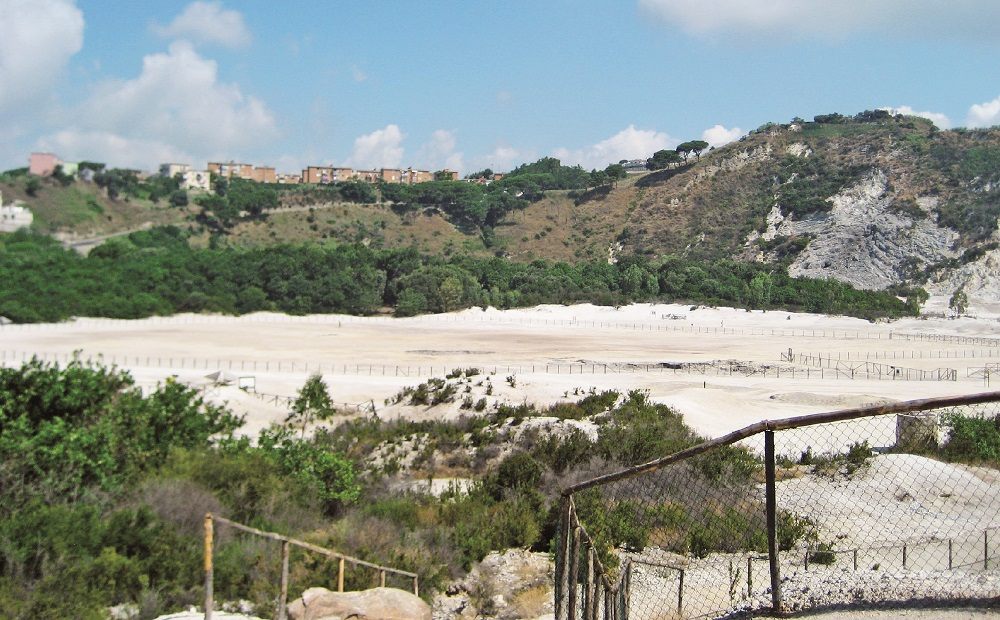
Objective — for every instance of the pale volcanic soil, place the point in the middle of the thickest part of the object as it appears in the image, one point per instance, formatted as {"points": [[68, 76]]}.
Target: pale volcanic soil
{"points": [[550, 350]]}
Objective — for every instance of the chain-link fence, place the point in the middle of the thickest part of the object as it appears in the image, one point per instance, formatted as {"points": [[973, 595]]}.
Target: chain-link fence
{"points": [[874, 506]]}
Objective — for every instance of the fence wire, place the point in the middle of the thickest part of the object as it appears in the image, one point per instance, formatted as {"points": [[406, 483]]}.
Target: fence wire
{"points": [[868, 507]]}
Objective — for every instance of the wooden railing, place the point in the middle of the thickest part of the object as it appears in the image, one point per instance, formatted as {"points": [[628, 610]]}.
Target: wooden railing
{"points": [[286, 543]]}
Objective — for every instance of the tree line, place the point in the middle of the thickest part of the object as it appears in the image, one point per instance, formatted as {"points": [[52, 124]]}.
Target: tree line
{"points": [[155, 272]]}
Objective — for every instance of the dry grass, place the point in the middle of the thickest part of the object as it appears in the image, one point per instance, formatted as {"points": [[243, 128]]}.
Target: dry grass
{"points": [[84, 210]]}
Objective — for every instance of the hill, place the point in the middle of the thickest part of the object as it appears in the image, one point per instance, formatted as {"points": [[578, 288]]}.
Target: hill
{"points": [[873, 200]]}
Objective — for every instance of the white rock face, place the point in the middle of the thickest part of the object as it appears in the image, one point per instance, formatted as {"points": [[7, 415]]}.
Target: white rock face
{"points": [[979, 279], [504, 586], [863, 242], [799, 149]]}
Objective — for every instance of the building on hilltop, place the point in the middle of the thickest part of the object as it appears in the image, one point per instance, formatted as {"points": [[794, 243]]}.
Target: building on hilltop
{"points": [[14, 216], [197, 179], [450, 175], [289, 178], [635, 166], [326, 174], [42, 164], [172, 170], [264, 174]]}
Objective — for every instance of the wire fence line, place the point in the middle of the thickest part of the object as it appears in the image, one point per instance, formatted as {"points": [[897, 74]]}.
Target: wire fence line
{"points": [[714, 368], [867, 369], [846, 508], [635, 325]]}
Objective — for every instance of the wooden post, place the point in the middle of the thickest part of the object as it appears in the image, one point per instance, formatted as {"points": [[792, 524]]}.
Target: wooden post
{"points": [[416, 586], [340, 576], [588, 589], [283, 591], [573, 568], [949, 555], [381, 578], [749, 576], [986, 550], [904, 556], [855, 559], [562, 559], [772, 521], [208, 567]]}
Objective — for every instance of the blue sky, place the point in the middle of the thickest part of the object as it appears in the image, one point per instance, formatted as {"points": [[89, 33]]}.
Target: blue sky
{"points": [[469, 84]]}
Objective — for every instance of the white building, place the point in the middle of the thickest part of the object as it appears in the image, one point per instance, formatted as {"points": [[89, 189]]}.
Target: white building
{"points": [[197, 179], [13, 216], [171, 170]]}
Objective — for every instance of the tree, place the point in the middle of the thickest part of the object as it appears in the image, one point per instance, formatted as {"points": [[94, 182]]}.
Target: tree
{"points": [[179, 198], [697, 146], [959, 302], [684, 150], [662, 159], [616, 172], [31, 186], [598, 178], [313, 403]]}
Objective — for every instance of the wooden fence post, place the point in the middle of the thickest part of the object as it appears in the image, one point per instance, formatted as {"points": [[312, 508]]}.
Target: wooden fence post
{"points": [[340, 576], [208, 567], [283, 592]]}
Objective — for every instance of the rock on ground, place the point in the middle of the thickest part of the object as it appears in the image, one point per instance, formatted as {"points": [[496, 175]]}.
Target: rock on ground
{"points": [[374, 604], [504, 586]]}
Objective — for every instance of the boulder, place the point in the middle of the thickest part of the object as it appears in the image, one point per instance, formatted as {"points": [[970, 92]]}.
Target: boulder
{"points": [[374, 604]]}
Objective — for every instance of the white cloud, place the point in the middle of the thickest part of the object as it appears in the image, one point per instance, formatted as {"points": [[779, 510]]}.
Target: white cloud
{"points": [[629, 143], [717, 135], [979, 19], [502, 159], [439, 152], [176, 105], [111, 148], [208, 22], [984, 114], [357, 74], [37, 39], [939, 119], [382, 148]]}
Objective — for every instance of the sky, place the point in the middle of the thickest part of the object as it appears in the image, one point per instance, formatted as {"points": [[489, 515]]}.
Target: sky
{"points": [[469, 84]]}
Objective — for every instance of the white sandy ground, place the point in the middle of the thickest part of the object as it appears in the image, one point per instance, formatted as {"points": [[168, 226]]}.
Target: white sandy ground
{"points": [[369, 359]]}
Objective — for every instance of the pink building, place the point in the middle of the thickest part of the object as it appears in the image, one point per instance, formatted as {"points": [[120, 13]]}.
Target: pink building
{"points": [[42, 164]]}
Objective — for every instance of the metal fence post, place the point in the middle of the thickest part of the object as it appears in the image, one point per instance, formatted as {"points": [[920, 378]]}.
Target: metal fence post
{"points": [[772, 520]]}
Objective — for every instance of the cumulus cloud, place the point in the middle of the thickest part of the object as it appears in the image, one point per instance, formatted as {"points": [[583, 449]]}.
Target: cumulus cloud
{"points": [[984, 114], [382, 148], [111, 148], [939, 119], [207, 22], [37, 40], [502, 158], [717, 135], [804, 18], [439, 152], [629, 143], [176, 105]]}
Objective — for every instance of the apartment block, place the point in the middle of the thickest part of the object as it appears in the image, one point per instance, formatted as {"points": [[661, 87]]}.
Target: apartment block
{"points": [[42, 164], [264, 174], [231, 169]]}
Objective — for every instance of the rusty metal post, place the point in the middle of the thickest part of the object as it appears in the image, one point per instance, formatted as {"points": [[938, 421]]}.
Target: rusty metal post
{"points": [[772, 520], [283, 591], [209, 603]]}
